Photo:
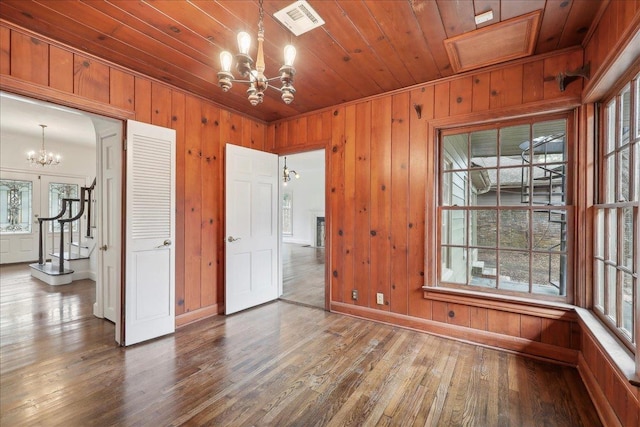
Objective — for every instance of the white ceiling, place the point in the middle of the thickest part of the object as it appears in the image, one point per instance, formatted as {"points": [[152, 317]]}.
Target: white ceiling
{"points": [[20, 119]]}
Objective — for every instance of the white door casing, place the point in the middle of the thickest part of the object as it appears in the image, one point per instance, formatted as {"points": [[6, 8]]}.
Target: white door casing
{"points": [[251, 223], [150, 232], [109, 218]]}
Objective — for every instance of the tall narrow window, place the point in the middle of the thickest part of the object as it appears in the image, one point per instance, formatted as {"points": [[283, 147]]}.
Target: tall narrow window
{"points": [[503, 209], [617, 218], [15, 206]]}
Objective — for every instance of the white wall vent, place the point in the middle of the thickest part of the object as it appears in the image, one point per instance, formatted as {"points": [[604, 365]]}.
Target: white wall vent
{"points": [[299, 17]]}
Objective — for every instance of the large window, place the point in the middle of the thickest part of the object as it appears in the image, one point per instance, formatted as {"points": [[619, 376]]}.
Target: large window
{"points": [[617, 219], [503, 209]]}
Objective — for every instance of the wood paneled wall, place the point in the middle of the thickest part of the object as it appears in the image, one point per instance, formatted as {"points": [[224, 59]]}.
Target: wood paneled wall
{"points": [[382, 198], [43, 69], [618, 19]]}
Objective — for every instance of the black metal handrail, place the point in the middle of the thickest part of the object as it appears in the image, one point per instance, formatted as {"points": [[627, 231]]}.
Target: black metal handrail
{"points": [[65, 203], [85, 197], [89, 191], [71, 219]]}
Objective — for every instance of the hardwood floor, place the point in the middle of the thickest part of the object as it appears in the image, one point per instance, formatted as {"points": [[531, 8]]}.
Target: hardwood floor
{"points": [[279, 364], [303, 274]]}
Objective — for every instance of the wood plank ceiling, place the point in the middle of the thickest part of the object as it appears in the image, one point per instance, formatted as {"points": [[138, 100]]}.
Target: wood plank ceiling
{"points": [[366, 47]]}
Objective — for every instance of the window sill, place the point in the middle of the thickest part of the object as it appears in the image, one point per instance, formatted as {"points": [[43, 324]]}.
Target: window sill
{"points": [[616, 352]]}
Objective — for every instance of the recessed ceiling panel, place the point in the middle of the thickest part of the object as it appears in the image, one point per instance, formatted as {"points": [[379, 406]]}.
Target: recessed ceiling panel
{"points": [[504, 41]]}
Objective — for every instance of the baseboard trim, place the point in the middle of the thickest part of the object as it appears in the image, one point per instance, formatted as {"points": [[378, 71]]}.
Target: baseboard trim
{"points": [[517, 345], [603, 407], [196, 315]]}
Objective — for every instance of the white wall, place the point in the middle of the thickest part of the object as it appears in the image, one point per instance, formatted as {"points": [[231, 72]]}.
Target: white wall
{"points": [[77, 160], [307, 194]]}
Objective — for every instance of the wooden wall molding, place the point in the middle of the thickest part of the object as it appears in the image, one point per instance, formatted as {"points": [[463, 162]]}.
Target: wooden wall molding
{"points": [[469, 335], [48, 94], [531, 109]]}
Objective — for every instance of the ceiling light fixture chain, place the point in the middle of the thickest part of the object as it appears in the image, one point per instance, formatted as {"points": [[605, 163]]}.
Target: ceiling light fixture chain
{"points": [[43, 158], [255, 77]]}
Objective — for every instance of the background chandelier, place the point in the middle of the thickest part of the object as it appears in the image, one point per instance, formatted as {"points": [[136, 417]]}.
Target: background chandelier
{"points": [[42, 158], [286, 173], [255, 78]]}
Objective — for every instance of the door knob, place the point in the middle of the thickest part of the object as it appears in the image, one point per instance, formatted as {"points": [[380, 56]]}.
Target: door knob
{"points": [[164, 244], [103, 248], [232, 239]]}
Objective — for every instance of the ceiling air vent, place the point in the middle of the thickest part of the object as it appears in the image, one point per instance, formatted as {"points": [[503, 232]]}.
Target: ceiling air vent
{"points": [[299, 17]]}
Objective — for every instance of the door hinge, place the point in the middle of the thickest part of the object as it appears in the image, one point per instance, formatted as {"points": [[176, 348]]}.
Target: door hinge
{"points": [[124, 144]]}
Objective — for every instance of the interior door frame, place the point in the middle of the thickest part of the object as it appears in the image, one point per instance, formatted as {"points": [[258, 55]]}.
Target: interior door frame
{"points": [[327, 218], [54, 96]]}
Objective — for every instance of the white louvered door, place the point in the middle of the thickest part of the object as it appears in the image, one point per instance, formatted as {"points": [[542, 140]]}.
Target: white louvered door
{"points": [[150, 232]]}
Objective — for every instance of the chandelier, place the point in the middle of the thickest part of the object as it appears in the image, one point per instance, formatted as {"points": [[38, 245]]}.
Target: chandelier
{"points": [[286, 173], [254, 77], [42, 158]]}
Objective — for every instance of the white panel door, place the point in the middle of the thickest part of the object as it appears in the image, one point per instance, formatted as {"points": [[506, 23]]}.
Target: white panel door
{"points": [[110, 218], [150, 232], [251, 228]]}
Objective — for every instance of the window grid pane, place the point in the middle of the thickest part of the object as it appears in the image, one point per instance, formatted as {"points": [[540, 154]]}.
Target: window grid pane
{"points": [[504, 212]]}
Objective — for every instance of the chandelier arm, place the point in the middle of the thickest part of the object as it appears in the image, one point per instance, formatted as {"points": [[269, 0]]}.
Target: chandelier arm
{"points": [[251, 81], [257, 81]]}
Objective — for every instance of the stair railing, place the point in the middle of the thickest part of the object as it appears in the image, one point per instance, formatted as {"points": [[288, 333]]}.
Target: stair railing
{"points": [[67, 207], [549, 175], [69, 221]]}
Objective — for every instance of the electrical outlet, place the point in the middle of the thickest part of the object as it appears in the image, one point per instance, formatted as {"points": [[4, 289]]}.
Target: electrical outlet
{"points": [[354, 294], [380, 298]]}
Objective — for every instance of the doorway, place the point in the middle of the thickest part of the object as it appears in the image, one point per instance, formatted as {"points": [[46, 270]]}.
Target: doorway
{"points": [[302, 213], [74, 135]]}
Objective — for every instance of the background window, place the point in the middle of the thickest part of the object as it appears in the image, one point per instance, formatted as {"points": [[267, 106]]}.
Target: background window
{"points": [[503, 209], [15, 206], [57, 192], [287, 213]]}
